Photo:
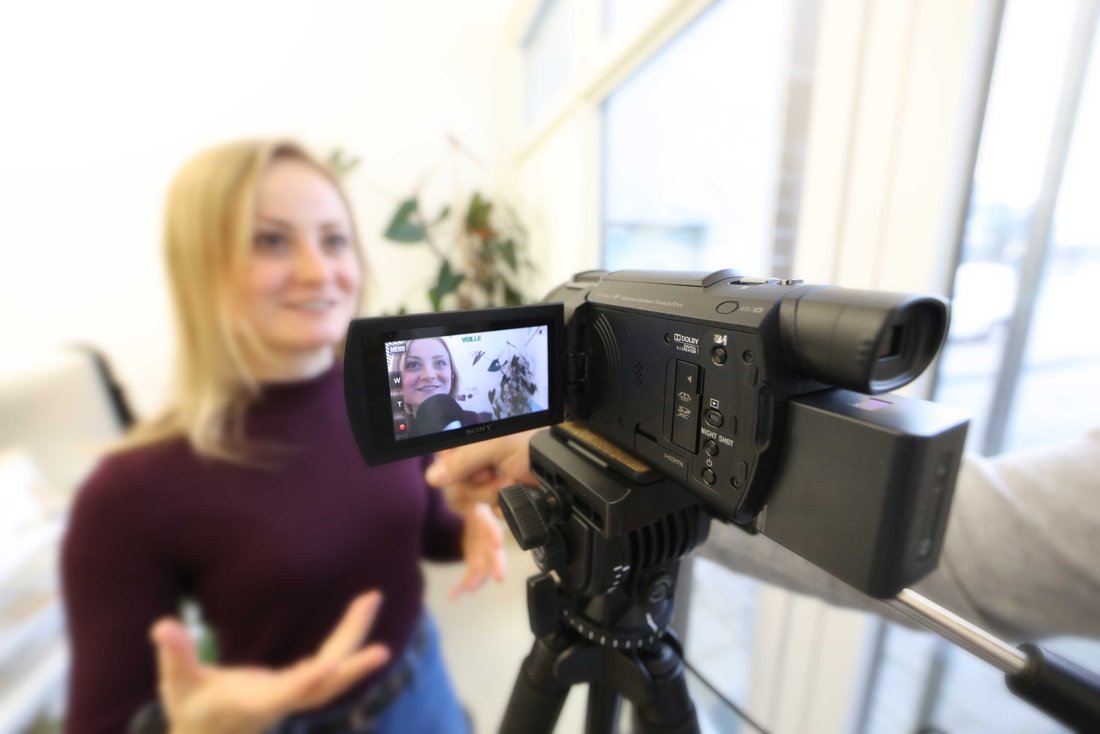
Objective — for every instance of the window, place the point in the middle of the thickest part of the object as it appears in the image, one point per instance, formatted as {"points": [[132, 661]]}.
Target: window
{"points": [[1021, 347], [703, 146], [547, 57], [1018, 352], [619, 14]]}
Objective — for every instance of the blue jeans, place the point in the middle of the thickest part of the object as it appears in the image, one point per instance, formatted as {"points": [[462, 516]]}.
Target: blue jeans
{"points": [[426, 705]]}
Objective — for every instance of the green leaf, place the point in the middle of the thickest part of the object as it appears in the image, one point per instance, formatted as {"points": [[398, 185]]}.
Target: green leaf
{"points": [[493, 395], [405, 225], [477, 216], [495, 366], [488, 287], [449, 280], [512, 297], [531, 387], [508, 252], [446, 282], [443, 214]]}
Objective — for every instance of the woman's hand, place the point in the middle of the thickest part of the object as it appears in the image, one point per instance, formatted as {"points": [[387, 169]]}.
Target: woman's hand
{"points": [[477, 473], [214, 699], [482, 547]]}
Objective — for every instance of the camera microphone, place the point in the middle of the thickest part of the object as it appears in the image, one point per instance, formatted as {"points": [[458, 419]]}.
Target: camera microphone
{"points": [[435, 414]]}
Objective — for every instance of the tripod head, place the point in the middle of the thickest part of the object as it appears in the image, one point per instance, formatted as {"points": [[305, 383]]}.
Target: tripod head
{"points": [[607, 535], [611, 532]]}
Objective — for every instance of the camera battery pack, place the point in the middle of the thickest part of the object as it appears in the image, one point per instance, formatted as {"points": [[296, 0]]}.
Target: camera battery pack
{"points": [[865, 486]]}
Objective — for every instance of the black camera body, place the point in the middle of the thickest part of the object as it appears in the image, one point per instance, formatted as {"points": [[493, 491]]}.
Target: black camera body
{"points": [[753, 394]]}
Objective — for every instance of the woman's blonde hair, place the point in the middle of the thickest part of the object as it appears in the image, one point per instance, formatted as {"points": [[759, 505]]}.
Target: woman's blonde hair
{"points": [[208, 237]]}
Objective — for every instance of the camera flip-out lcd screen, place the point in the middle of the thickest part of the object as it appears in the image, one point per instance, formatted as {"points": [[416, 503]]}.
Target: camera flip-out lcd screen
{"points": [[426, 382], [442, 383]]}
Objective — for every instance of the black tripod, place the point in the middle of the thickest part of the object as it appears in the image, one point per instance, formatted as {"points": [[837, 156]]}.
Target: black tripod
{"points": [[608, 537], [652, 678]]}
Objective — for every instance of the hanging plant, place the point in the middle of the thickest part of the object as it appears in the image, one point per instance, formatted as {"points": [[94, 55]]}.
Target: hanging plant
{"points": [[482, 264], [481, 250]]}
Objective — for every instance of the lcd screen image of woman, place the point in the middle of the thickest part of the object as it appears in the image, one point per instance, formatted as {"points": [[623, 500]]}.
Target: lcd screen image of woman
{"points": [[445, 382]]}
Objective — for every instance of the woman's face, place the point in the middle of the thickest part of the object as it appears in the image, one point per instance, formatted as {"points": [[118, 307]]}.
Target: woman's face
{"points": [[426, 371], [303, 277]]}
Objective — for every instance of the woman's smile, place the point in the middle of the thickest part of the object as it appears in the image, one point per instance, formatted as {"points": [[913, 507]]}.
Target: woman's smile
{"points": [[317, 305]]}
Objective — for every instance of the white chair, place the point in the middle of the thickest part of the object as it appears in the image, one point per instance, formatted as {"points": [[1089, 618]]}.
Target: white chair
{"points": [[58, 412]]}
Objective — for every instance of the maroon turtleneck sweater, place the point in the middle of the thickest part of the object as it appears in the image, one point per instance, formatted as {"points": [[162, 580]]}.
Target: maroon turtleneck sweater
{"points": [[272, 556]]}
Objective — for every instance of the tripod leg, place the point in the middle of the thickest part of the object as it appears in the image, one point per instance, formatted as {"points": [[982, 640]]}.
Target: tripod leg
{"points": [[603, 710], [668, 709], [538, 695]]}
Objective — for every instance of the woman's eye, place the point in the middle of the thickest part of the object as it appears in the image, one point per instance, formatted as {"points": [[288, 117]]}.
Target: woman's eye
{"points": [[335, 241], [270, 241], [440, 364], [412, 365]]}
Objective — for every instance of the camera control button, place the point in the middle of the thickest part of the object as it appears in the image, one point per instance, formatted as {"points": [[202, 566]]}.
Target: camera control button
{"points": [[719, 355], [727, 307], [715, 418], [711, 447], [687, 378], [709, 476], [740, 474], [685, 415]]}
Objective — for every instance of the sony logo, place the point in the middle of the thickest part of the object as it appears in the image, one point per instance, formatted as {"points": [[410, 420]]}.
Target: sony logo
{"points": [[477, 429]]}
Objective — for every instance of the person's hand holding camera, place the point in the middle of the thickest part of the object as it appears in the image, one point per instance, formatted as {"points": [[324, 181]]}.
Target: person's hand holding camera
{"points": [[212, 699]]}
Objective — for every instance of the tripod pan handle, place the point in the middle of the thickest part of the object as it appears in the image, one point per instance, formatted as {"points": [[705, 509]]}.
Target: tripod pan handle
{"points": [[1059, 687]]}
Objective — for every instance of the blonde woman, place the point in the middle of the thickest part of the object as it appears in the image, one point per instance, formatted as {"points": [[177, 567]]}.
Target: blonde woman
{"points": [[429, 379], [250, 496]]}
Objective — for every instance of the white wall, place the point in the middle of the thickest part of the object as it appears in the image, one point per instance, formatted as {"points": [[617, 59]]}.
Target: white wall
{"points": [[102, 102]]}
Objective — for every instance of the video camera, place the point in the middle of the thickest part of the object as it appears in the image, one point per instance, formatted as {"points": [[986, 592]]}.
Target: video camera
{"points": [[761, 397], [758, 401]]}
